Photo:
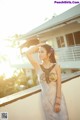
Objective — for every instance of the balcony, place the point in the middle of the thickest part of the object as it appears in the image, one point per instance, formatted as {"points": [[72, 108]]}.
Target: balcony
{"points": [[69, 57], [26, 105]]}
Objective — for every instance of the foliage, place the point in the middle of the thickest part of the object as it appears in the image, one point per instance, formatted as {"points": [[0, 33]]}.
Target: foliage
{"points": [[19, 81]]}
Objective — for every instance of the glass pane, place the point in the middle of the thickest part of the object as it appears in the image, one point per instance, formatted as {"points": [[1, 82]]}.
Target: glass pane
{"points": [[77, 37], [69, 39]]}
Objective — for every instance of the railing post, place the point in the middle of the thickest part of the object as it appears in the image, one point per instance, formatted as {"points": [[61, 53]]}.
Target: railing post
{"points": [[73, 55]]}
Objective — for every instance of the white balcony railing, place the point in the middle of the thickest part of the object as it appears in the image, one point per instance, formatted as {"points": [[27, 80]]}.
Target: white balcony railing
{"points": [[68, 54]]}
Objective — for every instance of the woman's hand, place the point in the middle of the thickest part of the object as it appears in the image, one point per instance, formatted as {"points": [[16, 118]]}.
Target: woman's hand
{"points": [[57, 107]]}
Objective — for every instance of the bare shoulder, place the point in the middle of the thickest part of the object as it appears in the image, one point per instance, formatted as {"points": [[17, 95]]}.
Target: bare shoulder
{"points": [[57, 66]]}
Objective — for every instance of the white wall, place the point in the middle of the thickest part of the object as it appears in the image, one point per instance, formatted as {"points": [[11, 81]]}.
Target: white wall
{"points": [[72, 95], [28, 108]]}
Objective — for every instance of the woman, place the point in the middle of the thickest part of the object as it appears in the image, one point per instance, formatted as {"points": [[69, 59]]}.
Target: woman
{"points": [[49, 76]]}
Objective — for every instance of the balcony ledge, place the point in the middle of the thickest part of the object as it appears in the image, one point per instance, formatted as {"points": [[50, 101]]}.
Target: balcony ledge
{"points": [[28, 92]]}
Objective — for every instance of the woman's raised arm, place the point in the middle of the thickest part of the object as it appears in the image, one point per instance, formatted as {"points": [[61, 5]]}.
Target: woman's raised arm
{"points": [[29, 53]]}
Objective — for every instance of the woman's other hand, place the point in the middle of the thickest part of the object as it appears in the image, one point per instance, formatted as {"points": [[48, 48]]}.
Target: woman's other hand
{"points": [[57, 107]]}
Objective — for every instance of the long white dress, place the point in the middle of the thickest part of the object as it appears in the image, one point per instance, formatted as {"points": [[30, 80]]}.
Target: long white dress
{"points": [[48, 96]]}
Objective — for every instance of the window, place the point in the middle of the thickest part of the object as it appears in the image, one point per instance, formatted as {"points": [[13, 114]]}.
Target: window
{"points": [[60, 41], [77, 37], [69, 39]]}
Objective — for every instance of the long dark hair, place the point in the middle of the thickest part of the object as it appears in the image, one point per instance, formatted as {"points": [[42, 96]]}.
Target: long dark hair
{"points": [[50, 50]]}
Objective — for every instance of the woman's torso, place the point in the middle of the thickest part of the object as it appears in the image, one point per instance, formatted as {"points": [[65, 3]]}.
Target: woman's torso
{"points": [[47, 85], [52, 76]]}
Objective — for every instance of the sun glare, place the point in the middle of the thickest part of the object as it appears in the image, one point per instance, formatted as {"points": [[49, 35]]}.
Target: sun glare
{"points": [[19, 17], [6, 70], [8, 56]]}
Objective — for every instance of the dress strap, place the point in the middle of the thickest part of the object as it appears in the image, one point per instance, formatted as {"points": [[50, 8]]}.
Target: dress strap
{"points": [[47, 69], [47, 72]]}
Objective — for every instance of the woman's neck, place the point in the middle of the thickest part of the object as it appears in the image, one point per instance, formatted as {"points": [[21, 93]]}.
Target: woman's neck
{"points": [[47, 63]]}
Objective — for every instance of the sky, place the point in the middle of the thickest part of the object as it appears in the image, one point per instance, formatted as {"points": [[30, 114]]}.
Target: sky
{"points": [[20, 16]]}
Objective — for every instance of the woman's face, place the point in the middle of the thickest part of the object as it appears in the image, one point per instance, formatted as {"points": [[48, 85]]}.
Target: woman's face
{"points": [[42, 53]]}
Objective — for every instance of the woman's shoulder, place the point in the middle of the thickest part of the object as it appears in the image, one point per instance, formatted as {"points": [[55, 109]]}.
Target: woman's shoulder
{"points": [[57, 66]]}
